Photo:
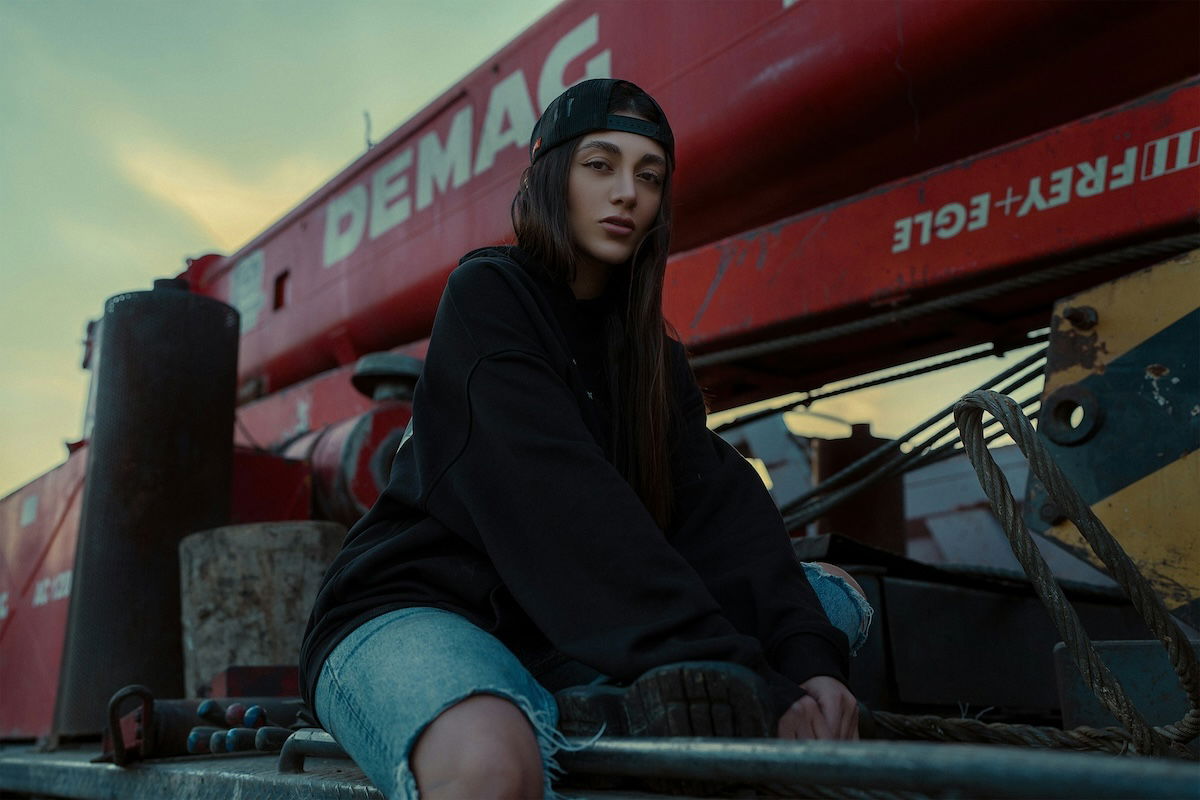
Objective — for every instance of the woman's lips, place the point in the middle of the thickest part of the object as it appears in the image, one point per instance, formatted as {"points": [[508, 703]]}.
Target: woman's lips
{"points": [[617, 226]]}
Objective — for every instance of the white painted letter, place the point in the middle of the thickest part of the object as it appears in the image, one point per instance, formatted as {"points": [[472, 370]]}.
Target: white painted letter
{"points": [[509, 101], [1091, 177], [1060, 188], [390, 204], [950, 220], [551, 83], [978, 218], [924, 219], [1033, 198], [434, 165], [902, 239], [1122, 174], [351, 205]]}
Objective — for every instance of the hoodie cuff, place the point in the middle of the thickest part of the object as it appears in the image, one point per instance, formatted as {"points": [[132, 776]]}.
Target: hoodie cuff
{"points": [[783, 693], [801, 656]]}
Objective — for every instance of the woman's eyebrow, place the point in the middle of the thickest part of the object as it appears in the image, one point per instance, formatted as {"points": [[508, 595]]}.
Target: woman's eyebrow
{"points": [[612, 149], [600, 144]]}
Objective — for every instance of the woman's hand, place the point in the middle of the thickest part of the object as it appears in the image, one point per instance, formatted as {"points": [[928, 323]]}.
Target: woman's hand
{"points": [[828, 711]]}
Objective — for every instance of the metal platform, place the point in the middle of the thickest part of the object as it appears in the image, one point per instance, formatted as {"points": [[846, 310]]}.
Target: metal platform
{"points": [[71, 774], [818, 769]]}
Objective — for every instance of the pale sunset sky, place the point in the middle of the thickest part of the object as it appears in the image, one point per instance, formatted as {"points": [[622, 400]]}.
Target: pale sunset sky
{"points": [[136, 133]]}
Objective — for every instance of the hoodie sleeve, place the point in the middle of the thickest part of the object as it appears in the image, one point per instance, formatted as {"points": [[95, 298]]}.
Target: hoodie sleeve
{"points": [[527, 483], [728, 528]]}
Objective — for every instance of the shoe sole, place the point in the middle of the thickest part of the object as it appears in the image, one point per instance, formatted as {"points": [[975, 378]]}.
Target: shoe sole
{"points": [[697, 698]]}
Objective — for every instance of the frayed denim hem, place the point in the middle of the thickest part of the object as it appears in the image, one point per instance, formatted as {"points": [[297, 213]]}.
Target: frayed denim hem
{"points": [[545, 727], [387, 680], [848, 610]]}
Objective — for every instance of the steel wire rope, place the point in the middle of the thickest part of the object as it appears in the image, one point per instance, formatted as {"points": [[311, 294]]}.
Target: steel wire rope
{"points": [[846, 483], [915, 458], [813, 397], [948, 729], [1030, 406], [829, 792], [803, 404], [1162, 247], [847, 474], [1163, 740]]}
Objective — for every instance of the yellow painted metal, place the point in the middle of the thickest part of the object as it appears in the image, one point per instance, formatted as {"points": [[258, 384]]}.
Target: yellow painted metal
{"points": [[1156, 518], [1157, 521], [1131, 310]]}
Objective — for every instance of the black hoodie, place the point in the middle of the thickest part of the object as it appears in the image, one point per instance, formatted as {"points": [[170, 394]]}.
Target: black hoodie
{"points": [[504, 506]]}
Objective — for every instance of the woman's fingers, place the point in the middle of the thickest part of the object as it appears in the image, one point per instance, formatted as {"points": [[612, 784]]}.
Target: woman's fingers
{"points": [[804, 720], [850, 719], [841, 711], [827, 711], [837, 706], [820, 723]]}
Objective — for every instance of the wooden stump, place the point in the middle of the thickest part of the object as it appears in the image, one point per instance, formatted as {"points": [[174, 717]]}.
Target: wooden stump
{"points": [[246, 592]]}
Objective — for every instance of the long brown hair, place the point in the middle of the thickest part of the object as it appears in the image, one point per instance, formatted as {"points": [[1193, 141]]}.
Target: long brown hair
{"points": [[636, 332]]}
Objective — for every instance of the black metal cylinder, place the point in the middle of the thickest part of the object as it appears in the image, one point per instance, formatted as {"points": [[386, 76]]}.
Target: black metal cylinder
{"points": [[875, 516], [159, 468]]}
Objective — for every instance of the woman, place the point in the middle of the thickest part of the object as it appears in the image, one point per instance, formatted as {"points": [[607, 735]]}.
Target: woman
{"points": [[558, 513]]}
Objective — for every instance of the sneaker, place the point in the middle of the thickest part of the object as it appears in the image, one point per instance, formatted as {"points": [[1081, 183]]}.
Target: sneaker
{"points": [[691, 698]]}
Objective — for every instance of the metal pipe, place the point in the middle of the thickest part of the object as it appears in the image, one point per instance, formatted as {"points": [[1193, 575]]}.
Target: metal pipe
{"points": [[307, 742], [954, 770]]}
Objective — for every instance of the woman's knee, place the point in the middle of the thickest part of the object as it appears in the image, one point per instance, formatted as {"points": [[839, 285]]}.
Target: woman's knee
{"points": [[841, 573], [483, 746]]}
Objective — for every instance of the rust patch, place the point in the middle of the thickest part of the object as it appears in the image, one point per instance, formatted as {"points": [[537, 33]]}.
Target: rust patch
{"points": [[1157, 371], [1070, 347]]}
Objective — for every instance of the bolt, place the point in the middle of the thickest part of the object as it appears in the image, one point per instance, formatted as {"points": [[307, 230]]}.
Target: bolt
{"points": [[1050, 512], [1082, 317]]}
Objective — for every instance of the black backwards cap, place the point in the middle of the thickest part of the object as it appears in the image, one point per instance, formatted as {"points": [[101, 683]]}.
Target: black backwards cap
{"points": [[584, 108]]}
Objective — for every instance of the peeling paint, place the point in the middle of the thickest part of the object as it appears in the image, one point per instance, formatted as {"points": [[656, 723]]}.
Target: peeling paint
{"points": [[303, 418], [799, 248], [763, 248], [726, 258], [1155, 373]]}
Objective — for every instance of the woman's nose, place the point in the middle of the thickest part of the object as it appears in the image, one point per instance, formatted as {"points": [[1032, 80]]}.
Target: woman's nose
{"points": [[624, 190]]}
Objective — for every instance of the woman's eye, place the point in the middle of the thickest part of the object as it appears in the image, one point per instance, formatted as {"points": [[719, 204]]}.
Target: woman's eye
{"points": [[596, 164], [652, 177]]}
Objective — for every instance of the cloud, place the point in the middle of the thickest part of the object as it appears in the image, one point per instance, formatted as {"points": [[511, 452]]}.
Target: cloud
{"points": [[230, 205]]}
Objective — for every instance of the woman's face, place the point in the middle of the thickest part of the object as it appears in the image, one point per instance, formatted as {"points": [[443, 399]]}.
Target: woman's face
{"points": [[614, 190]]}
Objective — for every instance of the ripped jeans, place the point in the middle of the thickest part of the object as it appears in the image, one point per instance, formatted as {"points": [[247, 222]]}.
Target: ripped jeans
{"points": [[394, 674]]}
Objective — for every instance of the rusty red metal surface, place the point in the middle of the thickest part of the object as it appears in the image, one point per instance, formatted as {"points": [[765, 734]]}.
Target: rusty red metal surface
{"points": [[1126, 175], [269, 487], [40, 522], [37, 559], [275, 421], [351, 460], [777, 107]]}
